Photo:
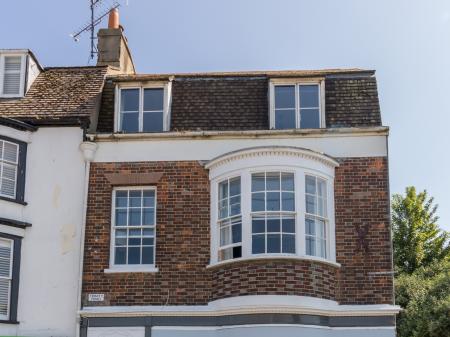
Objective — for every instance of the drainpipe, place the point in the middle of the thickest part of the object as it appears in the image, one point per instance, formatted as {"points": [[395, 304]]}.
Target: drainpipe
{"points": [[88, 149]]}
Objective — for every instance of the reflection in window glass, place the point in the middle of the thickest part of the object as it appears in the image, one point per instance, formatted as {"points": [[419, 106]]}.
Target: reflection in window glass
{"points": [[273, 217], [230, 220], [316, 216]]}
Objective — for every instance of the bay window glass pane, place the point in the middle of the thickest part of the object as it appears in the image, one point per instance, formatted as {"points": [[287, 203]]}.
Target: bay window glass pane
{"points": [[153, 121], [287, 181], [311, 204], [258, 182], [273, 243], [285, 119], [121, 241], [258, 202], [310, 246], [273, 181], [235, 186], [288, 201], [309, 96], [258, 244], [237, 232], [284, 96], [288, 244], [273, 201], [310, 226], [288, 225], [258, 225], [273, 225], [321, 188], [310, 185], [309, 118]]}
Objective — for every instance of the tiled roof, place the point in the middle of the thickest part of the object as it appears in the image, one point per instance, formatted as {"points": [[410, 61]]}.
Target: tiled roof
{"points": [[63, 95], [239, 101]]}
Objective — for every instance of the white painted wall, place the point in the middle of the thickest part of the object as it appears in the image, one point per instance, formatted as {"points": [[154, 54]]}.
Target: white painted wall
{"points": [[248, 331], [207, 149], [54, 191]]}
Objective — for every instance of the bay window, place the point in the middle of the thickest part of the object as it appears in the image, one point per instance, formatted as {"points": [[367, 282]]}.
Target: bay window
{"points": [[272, 203], [273, 212]]}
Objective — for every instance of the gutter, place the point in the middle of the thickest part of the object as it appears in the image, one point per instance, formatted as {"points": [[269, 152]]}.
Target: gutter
{"points": [[307, 133]]}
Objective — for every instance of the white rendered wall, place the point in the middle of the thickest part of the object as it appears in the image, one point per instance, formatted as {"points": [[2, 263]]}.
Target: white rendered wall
{"points": [[207, 149], [49, 270]]}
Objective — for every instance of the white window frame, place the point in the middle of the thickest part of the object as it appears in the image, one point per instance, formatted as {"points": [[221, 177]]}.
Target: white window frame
{"points": [[300, 174], [22, 74], [229, 218], [124, 268], [166, 86], [325, 219], [297, 83], [281, 213], [16, 164], [6, 317]]}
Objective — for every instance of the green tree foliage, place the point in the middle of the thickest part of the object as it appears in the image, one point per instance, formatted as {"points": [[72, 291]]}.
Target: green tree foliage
{"points": [[425, 298], [418, 240]]}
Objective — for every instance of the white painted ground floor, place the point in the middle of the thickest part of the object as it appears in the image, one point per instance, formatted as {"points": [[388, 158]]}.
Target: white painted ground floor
{"points": [[262, 316]]}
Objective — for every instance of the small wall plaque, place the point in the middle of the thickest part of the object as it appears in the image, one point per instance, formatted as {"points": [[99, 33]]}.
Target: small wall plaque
{"points": [[96, 297]]}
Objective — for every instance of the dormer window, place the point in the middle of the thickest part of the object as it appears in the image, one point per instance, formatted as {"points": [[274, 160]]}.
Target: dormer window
{"points": [[296, 105], [12, 75], [143, 109]]}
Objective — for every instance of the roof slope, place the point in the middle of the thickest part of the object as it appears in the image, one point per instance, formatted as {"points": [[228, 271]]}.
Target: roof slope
{"points": [[58, 96], [239, 101]]}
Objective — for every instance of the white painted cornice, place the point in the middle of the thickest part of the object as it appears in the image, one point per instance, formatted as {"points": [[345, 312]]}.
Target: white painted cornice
{"points": [[254, 304], [272, 151]]}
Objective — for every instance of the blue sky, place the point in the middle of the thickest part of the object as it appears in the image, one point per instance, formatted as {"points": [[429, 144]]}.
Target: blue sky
{"points": [[406, 41]]}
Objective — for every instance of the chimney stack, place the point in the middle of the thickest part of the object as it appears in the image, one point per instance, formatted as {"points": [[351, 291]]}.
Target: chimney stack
{"points": [[113, 46]]}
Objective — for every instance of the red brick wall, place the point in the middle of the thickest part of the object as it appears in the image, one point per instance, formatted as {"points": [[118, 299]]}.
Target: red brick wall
{"points": [[182, 251], [182, 237], [362, 201], [274, 277]]}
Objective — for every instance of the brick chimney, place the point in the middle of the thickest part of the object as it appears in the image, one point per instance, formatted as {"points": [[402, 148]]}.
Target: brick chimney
{"points": [[113, 47]]}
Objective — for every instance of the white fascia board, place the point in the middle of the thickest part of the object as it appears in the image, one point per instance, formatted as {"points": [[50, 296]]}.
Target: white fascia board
{"points": [[253, 304]]}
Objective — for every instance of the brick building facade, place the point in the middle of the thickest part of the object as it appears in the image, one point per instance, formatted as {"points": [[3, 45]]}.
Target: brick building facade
{"points": [[220, 204]]}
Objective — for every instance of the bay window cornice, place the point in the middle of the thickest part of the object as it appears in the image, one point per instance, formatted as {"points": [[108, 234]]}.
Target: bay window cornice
{"points": [[295, 164]]}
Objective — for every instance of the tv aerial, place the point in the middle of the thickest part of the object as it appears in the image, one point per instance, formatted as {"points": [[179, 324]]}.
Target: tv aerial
{"points": [[99, 10]]}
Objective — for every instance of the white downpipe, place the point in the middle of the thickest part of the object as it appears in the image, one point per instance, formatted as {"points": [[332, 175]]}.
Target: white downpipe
{"points": [[88, 149]]}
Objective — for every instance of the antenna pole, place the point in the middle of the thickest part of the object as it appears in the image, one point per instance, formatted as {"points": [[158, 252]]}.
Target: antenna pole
{"points": [[92, 29]]}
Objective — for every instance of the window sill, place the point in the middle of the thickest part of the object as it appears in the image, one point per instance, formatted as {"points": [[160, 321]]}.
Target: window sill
{"points": [[6, 321], [13, 200], [131, 269], [275, 257]]}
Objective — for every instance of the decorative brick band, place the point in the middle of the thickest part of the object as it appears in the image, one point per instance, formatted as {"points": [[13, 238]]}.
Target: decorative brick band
{"points": [[132, 179], [274, 277]]}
